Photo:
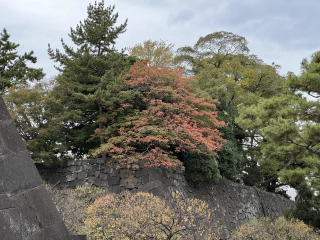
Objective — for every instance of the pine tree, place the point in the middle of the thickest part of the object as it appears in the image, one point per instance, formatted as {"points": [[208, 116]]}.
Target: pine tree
{"points": [[13, 67], [289, 129], [83, 69]]}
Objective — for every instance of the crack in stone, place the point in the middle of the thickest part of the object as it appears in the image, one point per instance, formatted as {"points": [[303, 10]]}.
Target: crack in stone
{"points": [[262, 207], [2, 209]]}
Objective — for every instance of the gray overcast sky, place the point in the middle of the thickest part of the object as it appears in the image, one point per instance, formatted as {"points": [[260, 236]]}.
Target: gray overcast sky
{"points": [[280, 31]]}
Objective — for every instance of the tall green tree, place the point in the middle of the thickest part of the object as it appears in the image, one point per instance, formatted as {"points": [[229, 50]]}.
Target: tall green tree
{"points": [[13, 67], [38, 113], [212, 49], [289, 126], [224, 69], [83, 69]]}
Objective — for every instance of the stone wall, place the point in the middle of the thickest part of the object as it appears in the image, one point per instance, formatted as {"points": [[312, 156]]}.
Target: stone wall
{"points": [[26, 209], [234, 203]]}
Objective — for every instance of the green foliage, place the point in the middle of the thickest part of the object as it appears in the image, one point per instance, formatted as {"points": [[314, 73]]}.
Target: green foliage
{"points": [[304, 207], [13, 67], [37, 114], [225, 71], [281, 229], [288, 126], [157, 53], [211, 49], [201, 167], [166, 124], [230, 158], [252, 176]]}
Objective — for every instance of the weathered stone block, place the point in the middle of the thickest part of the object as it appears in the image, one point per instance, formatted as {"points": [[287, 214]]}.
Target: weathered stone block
{"points": [[10, 140], [124, 173], [79, 237], [40, 201], [161, 191], [123, 182], [89, 167], [78, 162], [96, 173], [18, 173], [103, 184], [54, 181], [100, 161], [95, 167], [81, 182], [144, 179], [155, 176], [6, 202], [72, 177], [82, 175], [73, 168], [97, 182], [114, 181], [115, 172], [4, 114], [55, 231], [143, 172], [150, 185], [70, 162], [104, 176], [84, 162], [115, 189], [92, 161], [131, 183], [84, 167]]}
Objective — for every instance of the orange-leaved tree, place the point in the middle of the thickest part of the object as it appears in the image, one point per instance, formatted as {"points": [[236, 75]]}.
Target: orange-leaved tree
{"points": [[169, 126]]}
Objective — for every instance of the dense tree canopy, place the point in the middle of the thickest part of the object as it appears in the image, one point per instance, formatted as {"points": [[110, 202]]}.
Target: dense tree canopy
{"points": [[37, 113], [170, 126], [288, 129], [13, 67], [157, 53], [211, 49], [225, 71]]}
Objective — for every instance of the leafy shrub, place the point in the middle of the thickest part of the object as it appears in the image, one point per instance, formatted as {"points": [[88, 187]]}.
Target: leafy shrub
{"points": [[281, 229], [144, 216]]}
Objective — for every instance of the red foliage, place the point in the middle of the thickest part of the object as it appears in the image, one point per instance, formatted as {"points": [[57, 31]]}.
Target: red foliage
{"points": [[174, 121]]}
